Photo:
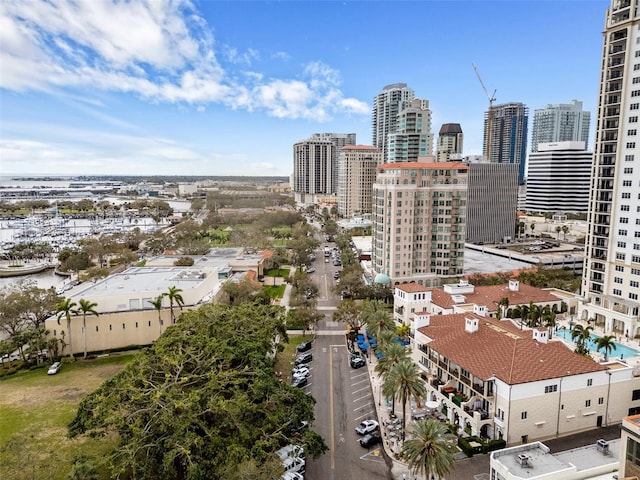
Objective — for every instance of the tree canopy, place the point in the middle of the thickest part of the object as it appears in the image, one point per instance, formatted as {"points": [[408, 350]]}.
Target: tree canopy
{"points": [[203, 402]]}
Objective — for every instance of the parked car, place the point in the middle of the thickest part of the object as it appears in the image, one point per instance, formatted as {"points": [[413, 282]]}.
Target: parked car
{"points": [[55, 368], [357, 360], [12, 357], [367, 426], [300, 369], [311, 270], [304, 346], [304, 358], [336, 275], [294, 464], [370, 440], [290, 475], [299, 382], [299, 374], [290, 450], [297, 429]]}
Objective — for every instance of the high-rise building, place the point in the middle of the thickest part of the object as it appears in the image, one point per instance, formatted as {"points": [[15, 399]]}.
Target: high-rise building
{"points": [[491, 201], [419, 213], [449, 141], [558, 178], [386, 107], [315, 165], [564, 122], [357, 171], [611, 280], [507, 135], [412, 137]]}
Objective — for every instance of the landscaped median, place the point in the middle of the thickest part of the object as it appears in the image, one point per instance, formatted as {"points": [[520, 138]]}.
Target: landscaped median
{"points": [[35, 409]]}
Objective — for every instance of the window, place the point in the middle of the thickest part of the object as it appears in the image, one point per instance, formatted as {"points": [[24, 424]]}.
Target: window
{"points": [[629, 169], [632, 132], [624, 220], [589, 382], [626, 195], [635, 79], [635, 395], [617, 292], [633, 119], [622, 233], [600, 400], [635, 93], [619, 268], [631, 144], [622, 244], [587, 403], [550, 388], [617, 280], [634, 284], [523, 416], [626, 183], [633, 296], [635, 106]]}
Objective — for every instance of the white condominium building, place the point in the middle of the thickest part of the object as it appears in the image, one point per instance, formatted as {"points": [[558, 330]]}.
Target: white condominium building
{"points": [[412, 138], [564, 122], [611, 281], [386, 107]]}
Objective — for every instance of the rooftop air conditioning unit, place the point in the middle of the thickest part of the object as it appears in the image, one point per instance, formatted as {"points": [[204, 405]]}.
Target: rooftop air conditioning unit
{"points": [[602, 446], [523, 460]]}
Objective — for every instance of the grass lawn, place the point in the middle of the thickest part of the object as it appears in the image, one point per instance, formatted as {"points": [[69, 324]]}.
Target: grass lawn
{"points": [[276, 291], [35, 409], [278, 272], [284, 360]]}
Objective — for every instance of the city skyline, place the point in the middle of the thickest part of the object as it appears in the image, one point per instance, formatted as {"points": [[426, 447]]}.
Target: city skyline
{"points": [[227, 88]]}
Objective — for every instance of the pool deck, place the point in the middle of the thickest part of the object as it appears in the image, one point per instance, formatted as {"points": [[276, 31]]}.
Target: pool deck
{"points": [[599, 357]]}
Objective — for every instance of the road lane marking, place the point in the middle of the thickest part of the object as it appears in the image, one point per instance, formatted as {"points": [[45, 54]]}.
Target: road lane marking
{"points": [[333, 441]]}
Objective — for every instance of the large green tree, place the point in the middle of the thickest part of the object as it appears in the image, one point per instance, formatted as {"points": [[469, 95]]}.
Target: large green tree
{"points": [[202, 402], [606, 344], [430, 449]]}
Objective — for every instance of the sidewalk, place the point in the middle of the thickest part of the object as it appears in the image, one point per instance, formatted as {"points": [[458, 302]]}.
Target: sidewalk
{"points": [[399, 470]]}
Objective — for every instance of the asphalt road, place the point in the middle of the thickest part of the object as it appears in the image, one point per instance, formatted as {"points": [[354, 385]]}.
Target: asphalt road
{"points": [[343, 396]]}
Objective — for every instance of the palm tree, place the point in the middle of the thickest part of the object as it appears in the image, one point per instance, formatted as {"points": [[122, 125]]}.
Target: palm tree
{"points": [[84, 307], [65, 309], [393, 353], [431, 448], [174, 297], [503, 306], [404, 381], [548, 318], [157, 304], [581, 336], [565, 230], [607, 344], [534, 315]]}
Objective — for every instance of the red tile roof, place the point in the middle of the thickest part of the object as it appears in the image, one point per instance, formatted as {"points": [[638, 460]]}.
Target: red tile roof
{"points": [[500, 349], [490, 295]]}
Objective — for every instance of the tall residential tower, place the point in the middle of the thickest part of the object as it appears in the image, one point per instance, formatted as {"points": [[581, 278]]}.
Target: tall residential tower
{"points": [[564, 122], [356, 173], [611, 280], [449, 141], [508, 135], [386, 107]]}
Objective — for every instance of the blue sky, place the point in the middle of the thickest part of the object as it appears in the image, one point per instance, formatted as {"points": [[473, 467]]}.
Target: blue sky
{"points": [[226, 88]]}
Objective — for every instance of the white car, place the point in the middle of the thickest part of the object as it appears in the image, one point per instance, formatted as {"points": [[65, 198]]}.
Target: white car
{"points": [[290, 451], [292, 476], [367, 426], [294, 464], [55, 368]]}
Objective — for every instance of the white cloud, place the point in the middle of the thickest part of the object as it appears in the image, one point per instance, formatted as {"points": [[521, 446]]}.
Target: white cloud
{"points": [[284, 56], [159, 50]]}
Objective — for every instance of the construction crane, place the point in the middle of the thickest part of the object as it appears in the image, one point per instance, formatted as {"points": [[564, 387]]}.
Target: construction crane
{"points": [[491, 99]]}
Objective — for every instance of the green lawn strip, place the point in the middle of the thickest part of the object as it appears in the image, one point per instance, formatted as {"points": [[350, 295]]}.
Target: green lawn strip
{"points": [[35, 409], [284, 360], [278, 272], [274, 291]]}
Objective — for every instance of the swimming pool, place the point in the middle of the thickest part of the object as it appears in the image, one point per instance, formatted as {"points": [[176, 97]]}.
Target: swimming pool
{"points": [[621, 351]]}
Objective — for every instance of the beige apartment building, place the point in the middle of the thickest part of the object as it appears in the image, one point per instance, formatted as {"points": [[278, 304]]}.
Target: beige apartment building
{"points": [[356, 174], [498, 381], [419, 215]]}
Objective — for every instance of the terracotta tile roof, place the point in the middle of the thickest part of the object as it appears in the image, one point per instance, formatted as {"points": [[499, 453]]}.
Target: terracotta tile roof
{"points": [[500, 349], [412, 287], [490, 295]]}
